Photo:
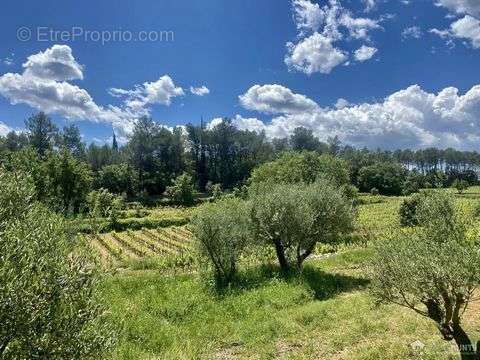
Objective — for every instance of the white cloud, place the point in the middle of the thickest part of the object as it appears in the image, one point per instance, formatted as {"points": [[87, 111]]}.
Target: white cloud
{"points": [[200, 91], [160, 92], [308, 16], [56, 63], [275, 99], [342, 103], [5, 129], [320, 31], [44, 85], [9, 60], [412, 32], [369, 5], [365, 53], [466, 28], [314, 54], [470, 7], [408, 118]]}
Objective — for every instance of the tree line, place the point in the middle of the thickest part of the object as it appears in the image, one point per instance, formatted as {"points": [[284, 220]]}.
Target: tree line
{"points": [[65, 169]]}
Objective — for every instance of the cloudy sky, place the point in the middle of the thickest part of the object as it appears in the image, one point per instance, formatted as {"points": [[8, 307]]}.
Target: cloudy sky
{"points": [[377, 73]]}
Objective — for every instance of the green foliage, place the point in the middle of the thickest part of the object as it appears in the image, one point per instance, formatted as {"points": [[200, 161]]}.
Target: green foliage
{"points": [[374, 191], [294, 218], [433, 269], [460, 185], [67, 181], [305, 167], [221, 229], [413, 183], [41, 132], [182, 190], [156, 153], [215, 191], [47, 306], [388, 178], [103, 204], [118, 179], [351, 193], [408, 209]]}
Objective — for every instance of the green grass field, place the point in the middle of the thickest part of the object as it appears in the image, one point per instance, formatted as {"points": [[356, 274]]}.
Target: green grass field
{"points": [[325, 312]]}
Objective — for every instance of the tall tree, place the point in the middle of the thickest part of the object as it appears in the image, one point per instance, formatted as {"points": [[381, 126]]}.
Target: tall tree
{"points": [[71, 139], [41, 132]]}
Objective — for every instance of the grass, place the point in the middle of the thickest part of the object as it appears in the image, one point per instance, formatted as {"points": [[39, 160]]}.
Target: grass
{"points": [[325, 312]]}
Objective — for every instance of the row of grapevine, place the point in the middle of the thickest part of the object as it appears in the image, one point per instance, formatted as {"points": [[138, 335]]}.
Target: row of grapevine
{"points": [[113, 248]]}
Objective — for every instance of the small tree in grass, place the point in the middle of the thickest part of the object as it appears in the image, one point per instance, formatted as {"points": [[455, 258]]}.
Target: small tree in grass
{"points": [[294, 218], [433, 269], [48, 309], [222, 230], [182, 190], [460, 185]]}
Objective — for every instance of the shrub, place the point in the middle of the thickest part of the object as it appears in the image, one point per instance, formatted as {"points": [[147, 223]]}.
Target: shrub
{"points": [[351, 193], [408, 209], [101, 202], [47, 304], [294, 218], [388, 178], [304, 167], [216, 191], [460, 185], [221, 229], [433, 269], [182, 190]]}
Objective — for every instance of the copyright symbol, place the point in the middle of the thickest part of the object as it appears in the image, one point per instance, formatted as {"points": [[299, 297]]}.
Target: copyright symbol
{"points": [[24, 33]]}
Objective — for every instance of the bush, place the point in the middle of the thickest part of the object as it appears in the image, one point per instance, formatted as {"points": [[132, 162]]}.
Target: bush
{"points": [[222, 229], [294, 218], [460, 185], [216, 191], [433, 269], [47, 304], [305, 167], [388, 178], [182, 190], [351, 193], [408, 209]]}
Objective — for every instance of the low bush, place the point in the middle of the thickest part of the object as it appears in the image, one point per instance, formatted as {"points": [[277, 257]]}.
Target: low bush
{"points": [[182, 190], [460, 185], [104, 226], [222, 230]]}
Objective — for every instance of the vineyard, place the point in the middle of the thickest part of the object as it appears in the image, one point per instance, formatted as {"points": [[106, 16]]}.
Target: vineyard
{"points": [[116, 248]]}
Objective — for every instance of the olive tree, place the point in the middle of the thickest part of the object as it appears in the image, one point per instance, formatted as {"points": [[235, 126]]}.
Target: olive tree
{"points": [[433, 269], [222, 231], [48, 308], [294, 218]]}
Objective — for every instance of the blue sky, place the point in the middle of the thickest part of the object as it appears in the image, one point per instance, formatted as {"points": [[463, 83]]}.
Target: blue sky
{"points": [[369, 53]]}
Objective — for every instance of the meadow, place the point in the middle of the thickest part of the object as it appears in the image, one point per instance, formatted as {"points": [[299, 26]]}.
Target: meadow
{"points": [[163, 308]]}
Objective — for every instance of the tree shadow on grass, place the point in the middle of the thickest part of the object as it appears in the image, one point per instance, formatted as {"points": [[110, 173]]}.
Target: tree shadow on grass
{"points": [[327, 285], [324, 285]]}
